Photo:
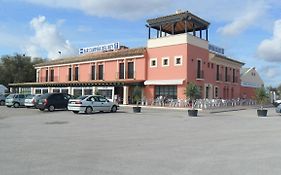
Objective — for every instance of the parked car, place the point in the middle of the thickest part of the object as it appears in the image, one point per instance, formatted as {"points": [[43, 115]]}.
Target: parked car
{"points": [[2, 100], [15, 100], [52, 101], [276, 103], [30, 100], [91, 103], [278, 109]]}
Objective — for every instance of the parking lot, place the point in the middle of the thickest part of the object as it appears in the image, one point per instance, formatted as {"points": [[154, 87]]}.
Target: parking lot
{"points": [[154, 142]]}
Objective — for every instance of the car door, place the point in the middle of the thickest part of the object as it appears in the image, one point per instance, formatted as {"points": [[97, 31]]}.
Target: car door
{"points": [[21, 99], [56, 101], [95, 103], [65, 100], [105, 105]]}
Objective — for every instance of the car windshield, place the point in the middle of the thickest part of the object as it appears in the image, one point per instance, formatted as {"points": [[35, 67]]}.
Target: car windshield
{"points": [[29, 96], [37, 96], [82, 97], [10, 96], [44, 96]]}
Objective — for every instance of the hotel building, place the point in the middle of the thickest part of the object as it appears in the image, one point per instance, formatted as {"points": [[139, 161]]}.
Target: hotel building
{"points": [[177, 52]]}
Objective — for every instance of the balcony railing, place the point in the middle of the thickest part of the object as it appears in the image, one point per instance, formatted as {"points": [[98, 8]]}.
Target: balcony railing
{"points": [[126, 76], [200, 74], [50, 79]]}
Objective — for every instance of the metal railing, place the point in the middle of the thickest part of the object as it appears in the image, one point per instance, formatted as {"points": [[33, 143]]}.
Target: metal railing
{"points": [[200, 74], [199, 103]]}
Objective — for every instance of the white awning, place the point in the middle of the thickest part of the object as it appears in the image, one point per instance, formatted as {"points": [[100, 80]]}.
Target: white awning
{"points": [[164, 82]]}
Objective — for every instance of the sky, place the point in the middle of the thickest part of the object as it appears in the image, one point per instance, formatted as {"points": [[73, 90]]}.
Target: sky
{"points": [[248, 30]]}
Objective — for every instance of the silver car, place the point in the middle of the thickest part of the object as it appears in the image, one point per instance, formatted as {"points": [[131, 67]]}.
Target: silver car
{"points": [[91, 103], [31, 100], [15, 100]]}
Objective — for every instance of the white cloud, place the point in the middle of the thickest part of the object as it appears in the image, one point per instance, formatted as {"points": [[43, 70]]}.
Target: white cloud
{"points": [[269, 74], [121, 9], [270, 49], [47, 39], [246, 18]]}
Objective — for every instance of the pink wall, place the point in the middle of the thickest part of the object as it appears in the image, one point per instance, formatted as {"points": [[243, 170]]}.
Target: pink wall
{"points": [[110, 71], [63, 74], [171, 71]]}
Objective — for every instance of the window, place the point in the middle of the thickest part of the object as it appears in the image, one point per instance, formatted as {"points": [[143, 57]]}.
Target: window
{"points": [[69, 74], [106, 93], [77, 92], [76, 73], [166, 91], [218, 77], [52, 75], [121, 71], [226, 74], [153, 62], [130, 70], [37, 91], [100, 72], [65, 91], [216, 93], [200, 73], [45, 91], [93, 76], [165, 62], [88, 91], [233, 75], [56, 90], [178, 61], [47, 75]]}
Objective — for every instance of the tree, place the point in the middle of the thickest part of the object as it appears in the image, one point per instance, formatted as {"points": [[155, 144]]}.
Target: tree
{"points": [[192, 91], [137, 94], [18, 69], [261, 96]]}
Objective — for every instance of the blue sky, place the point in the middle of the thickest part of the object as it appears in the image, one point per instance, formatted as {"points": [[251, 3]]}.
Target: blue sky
{"points": [[249, 30]]}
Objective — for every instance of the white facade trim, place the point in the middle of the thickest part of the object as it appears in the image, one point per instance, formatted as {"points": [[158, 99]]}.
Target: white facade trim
{"points": [[164, 82]]}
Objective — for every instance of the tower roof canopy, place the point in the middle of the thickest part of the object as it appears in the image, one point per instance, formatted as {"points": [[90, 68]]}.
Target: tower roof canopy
{"points": [[179, 19]]}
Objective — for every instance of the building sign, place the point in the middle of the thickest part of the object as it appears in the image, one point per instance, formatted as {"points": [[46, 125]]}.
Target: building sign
{"points": [[216, 49], [250, 84], [100, 48]]}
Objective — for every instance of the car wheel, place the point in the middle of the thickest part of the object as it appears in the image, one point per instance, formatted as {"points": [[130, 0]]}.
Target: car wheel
{"points": [[51, 108], [2, 103], [113, 109], [16, 105], [75, 112], [89, 110]]}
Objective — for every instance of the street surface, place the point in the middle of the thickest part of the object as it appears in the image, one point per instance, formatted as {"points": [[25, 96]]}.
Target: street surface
{"points": [[154, 142]]}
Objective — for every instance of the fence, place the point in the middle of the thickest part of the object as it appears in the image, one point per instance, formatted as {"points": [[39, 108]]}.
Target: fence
{"points": [[199, 103]]}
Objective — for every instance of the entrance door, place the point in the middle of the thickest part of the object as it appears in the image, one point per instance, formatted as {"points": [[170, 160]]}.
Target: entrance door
{"points": [[208, 91], [118, 94]]}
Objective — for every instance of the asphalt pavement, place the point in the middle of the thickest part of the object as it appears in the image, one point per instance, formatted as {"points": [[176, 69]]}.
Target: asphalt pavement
{"points": [[154, 142]]}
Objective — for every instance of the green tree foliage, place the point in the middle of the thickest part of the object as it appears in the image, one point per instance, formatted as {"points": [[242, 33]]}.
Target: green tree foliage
{"points": [[18, 69], [192, 91], [261, 96], [137, 94]]}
